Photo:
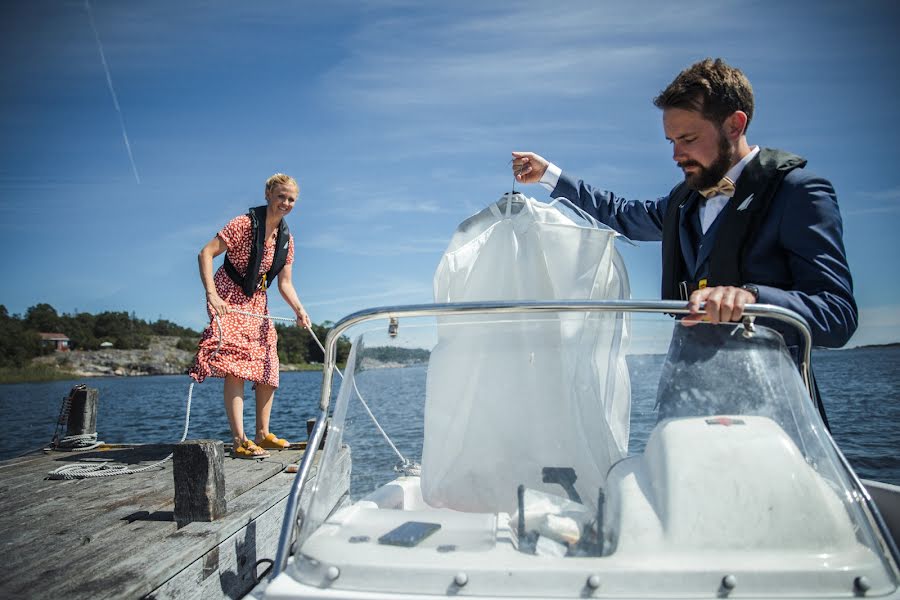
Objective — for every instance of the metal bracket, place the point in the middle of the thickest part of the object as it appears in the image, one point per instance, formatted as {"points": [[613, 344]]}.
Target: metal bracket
{"points": [[749, 327]]}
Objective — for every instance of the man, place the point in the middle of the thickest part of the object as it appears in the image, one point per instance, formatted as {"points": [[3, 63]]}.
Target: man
{"points": [[747, 225]]}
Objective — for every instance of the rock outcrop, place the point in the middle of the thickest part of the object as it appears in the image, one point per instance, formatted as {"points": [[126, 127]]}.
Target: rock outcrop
{"points": [[161, 358]]}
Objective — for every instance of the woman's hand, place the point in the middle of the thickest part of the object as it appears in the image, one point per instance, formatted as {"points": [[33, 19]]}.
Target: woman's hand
{"points": [[303, 319], [218, 305]]}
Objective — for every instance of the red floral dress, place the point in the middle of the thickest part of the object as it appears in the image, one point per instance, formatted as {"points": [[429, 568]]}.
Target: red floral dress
{"points": [[249, 347]]}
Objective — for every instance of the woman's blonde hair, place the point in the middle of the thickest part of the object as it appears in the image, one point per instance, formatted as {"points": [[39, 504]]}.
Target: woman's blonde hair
{"points": [[280, 179]]}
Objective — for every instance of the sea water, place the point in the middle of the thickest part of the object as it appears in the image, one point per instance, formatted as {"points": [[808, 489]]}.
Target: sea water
{"points": [[860, 387]]}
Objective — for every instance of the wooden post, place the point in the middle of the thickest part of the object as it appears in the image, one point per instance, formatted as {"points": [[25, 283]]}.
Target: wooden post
{"points": [[82, 412], [199, 471], [310, 423]]}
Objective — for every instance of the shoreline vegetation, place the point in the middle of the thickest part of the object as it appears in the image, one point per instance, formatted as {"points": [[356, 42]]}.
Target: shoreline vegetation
{"points": [[120, 344], [162, 357]]}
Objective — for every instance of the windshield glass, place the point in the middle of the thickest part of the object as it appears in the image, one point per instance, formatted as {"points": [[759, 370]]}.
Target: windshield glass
{"points": [[685, 440]]}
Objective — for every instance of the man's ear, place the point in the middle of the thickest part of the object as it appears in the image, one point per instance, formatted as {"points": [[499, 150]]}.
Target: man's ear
{"points": [[736, 124]]}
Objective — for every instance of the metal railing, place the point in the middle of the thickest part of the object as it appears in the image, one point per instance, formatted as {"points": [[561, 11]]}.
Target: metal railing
{"points": [[751, 312]]}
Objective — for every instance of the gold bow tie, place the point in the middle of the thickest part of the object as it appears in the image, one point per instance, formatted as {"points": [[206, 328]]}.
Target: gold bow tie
{"points": [[725, 187]]}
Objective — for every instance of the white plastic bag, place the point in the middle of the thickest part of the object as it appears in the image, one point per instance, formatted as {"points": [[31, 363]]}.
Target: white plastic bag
{"points": [[504, 400]]}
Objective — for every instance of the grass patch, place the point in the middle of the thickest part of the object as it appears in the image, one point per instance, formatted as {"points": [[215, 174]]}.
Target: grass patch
{"points": [[33, 374]]}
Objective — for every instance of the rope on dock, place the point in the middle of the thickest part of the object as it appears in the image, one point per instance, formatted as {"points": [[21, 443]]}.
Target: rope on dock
{"points": [[86, 471], [85, 441]]}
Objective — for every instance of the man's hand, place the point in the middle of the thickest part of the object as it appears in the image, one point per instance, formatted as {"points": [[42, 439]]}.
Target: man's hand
{"points": [[528, 167], [723, 304]]}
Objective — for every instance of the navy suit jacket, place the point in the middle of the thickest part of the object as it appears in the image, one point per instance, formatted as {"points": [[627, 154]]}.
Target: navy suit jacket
{"points": [[796, 258]]}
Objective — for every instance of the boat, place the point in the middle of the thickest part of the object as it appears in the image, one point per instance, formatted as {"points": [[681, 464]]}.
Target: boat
{"points": [[739, 490]]}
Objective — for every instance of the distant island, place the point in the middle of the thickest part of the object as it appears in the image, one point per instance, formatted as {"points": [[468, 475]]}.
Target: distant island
{"points": [[863, 347], [381, 357], [890, 345]]}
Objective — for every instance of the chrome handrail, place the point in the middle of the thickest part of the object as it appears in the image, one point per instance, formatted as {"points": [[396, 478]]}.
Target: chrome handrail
{"points": [[767, 311]]}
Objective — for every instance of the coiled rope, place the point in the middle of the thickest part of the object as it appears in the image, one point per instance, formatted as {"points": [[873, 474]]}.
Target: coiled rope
{"points": [[84, 471]]}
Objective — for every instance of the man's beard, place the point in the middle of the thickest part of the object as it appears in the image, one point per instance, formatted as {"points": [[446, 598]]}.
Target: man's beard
{"points": [[706, 177]]}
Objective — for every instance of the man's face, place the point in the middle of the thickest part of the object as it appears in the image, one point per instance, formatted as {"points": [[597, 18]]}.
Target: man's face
{"points": [[699, 147]]}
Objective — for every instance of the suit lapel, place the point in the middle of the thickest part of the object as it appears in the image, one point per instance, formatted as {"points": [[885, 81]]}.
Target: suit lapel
{"points": [[687, 212]]}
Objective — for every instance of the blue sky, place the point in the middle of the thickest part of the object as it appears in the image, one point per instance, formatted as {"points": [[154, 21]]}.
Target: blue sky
{"points": [[398, 119]]}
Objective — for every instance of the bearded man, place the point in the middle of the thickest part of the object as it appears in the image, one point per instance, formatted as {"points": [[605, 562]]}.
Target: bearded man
{"points": [[747, 224]]}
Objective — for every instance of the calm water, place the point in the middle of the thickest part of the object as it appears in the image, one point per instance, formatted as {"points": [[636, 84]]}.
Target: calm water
{"points": [[861, 389]]}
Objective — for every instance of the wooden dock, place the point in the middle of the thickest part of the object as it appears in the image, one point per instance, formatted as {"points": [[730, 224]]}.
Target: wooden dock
{"points": [[116, 537]]}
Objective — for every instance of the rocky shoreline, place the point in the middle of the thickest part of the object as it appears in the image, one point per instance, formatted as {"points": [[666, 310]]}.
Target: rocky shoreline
{"points": [[161, 358]]}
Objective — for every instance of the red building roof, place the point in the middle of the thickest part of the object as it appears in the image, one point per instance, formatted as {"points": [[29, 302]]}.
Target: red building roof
{"points": [[54, 337]]}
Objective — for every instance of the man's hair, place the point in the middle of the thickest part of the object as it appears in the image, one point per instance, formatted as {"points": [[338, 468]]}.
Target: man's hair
{"points": [[280, 179], [712, 88]]}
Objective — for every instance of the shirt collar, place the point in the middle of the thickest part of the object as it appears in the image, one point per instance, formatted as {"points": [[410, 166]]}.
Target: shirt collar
{"points": [[735, 171]]}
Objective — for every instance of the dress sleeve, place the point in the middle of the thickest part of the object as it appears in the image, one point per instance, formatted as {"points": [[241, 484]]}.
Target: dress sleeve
{"points": [[236, 231], [290, 256]]}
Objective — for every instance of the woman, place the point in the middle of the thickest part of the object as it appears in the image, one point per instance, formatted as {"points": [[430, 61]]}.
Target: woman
{"points": [[259, 248]]}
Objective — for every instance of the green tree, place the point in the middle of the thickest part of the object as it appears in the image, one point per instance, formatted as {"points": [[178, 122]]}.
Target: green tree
{"points": [[80, 329], [43, 317], [125, 331], [18, 345]]}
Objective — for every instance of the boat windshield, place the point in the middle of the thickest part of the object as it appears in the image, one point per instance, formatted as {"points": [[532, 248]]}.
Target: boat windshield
{"points": [[583, 436]]}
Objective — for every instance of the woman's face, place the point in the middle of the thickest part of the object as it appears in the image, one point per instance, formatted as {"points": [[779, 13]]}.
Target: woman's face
{"points": [[281, 199]]}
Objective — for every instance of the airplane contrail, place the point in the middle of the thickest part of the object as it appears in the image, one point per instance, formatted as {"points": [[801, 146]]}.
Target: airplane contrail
{"points": [[112, 91]]}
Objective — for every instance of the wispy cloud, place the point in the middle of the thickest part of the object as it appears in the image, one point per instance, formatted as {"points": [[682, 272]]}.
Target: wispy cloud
{"points": [[497, 58], [337, 241], [876, 202], [375, 296], [369, 202]]}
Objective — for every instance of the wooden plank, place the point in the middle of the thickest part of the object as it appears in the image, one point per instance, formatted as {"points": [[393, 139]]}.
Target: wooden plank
{"points": [[73, 532], [135, 558], [227, 569], [240, 475], [235, 558], [31, 477], [164, 550], [71, 501], [69, 524]]}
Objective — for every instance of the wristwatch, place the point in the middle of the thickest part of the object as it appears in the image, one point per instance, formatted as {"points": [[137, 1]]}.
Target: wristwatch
{"points": [[753, 290]]}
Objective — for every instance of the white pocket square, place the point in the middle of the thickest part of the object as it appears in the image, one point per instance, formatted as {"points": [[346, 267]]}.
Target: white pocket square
{"points": [[746, 202]]}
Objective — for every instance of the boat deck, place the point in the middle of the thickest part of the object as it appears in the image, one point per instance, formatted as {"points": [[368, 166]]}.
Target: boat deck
{"points": [[116, 537]]}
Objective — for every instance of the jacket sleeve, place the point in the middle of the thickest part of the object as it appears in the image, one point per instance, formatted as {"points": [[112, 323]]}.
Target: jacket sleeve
{"points": [[811, 235], [635, 219]]}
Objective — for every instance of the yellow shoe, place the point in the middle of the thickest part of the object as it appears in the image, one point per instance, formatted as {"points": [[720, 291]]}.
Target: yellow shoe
{"points": [[249, 450], [273, 443]]}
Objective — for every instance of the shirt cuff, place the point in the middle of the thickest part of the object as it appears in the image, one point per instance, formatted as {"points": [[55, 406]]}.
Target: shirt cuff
{"points": [[551, 177]]}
